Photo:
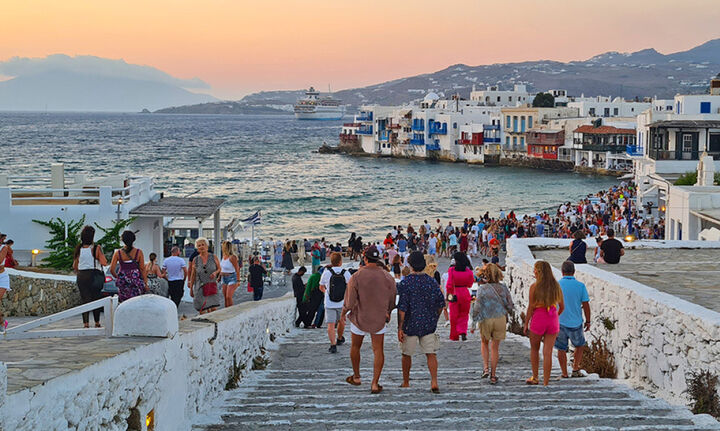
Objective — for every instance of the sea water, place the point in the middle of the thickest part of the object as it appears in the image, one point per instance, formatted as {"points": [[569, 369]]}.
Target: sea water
{"points": [[269, 163]]}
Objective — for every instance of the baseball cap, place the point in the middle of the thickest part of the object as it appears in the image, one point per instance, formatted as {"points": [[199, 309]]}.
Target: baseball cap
{"points": [[416, 261], [371, 253]]}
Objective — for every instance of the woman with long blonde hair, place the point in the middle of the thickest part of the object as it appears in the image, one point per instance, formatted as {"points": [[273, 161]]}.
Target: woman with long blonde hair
{"points": [[229, 272], [545, 305], [431, 270]]}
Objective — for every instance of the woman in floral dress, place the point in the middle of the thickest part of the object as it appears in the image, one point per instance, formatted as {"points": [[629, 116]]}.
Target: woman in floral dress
{"points": [[130, 277]]}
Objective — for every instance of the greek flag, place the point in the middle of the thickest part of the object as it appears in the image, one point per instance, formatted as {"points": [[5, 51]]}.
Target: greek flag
{"points": [[253, 219]]}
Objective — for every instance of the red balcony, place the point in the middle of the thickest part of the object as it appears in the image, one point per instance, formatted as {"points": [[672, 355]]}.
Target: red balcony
{"points": [[549, 152], [474, 139]]}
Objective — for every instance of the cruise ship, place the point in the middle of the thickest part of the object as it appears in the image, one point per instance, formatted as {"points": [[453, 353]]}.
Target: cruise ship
{"points": [[314, 107]]}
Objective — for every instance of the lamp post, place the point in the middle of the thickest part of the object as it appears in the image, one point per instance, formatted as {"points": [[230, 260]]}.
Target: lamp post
{"points": [[33, 259], [120, 201]]}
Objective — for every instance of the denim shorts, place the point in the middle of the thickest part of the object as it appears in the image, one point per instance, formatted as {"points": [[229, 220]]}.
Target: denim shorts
{"points": [[575, 335], [229, 279]]}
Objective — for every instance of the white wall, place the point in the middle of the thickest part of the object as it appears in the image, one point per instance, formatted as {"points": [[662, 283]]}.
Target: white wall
{"points": [[177, 377], [658, 338]]}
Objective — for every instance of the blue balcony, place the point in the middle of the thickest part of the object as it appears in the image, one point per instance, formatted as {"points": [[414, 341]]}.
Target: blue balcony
{"points": [[436, 128], [634, 150], [365, 130], [385, 135], [432, 147], [417, 141], [418, 126], [491, 127], [364, 116], [491, 140]]}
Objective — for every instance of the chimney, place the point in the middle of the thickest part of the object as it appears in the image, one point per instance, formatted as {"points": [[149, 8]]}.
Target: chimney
{"points": [[715, 85], [706, 171]]}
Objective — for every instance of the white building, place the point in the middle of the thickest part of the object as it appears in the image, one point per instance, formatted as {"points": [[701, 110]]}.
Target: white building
{"points": [[602, 106], [493, 96], [101, 201], [693, 212]]}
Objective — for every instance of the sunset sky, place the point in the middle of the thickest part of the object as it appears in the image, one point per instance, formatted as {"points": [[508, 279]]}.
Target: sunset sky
{"points": [[240, 46]]}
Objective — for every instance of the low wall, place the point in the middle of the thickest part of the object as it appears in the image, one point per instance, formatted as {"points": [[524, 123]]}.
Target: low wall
{"points": [[36, 294], [177, 378], [537, 163], [658, 338]]}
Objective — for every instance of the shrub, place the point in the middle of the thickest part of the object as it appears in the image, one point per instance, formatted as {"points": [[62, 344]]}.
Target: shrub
{"points": [[598, 358], [702, 388], [608, 323], [690, 178]]}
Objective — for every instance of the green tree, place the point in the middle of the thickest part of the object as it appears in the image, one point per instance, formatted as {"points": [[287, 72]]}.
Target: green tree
{"points": [[543, 100], [62, 248]]}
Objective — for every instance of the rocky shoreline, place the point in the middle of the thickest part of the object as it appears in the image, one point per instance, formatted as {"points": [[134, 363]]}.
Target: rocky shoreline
{"points": [[525, 162]]}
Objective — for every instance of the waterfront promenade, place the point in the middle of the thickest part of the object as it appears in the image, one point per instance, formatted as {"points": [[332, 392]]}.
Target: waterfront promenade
{"points": [[304, 388]]}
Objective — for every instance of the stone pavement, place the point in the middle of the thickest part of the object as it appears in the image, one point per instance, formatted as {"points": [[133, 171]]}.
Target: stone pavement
{"points": [[304, 388], [690, 274]]}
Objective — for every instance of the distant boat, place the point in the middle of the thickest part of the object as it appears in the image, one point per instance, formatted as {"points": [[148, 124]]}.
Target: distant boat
{"points": [[315, 107]]}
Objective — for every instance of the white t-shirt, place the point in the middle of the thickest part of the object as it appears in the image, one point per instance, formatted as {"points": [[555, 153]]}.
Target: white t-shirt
{"points": [[432, 242], [325, 281], [484, 235], [174, 266]]}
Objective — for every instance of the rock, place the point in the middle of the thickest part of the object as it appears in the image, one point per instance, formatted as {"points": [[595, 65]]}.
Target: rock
{"points": [[146, 316]]}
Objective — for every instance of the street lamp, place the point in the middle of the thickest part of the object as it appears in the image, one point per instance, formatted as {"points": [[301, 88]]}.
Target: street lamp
{"points": [[120, 201], [33, 259]]}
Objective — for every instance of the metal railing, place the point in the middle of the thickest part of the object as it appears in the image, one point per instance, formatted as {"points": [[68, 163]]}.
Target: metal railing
{"points": [[25, 331]]}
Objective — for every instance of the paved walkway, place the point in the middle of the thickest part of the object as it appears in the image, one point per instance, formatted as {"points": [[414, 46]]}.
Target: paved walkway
{"points": [[304, 388]]}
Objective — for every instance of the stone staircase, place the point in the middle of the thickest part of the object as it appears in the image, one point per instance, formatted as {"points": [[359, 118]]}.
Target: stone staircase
{"points": [[304, 389]]}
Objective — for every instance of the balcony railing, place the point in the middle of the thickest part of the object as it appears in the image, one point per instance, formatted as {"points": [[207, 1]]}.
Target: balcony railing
{"points": [[603, 148], [491, 140], [417, 141], [365, 131], [436, 129], [364, 116], [465, 141], [418, 127], [634, 150], [432, 147]]}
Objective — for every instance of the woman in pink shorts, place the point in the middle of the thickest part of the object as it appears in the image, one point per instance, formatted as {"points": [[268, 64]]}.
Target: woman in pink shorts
{"points": [[544, 308]]}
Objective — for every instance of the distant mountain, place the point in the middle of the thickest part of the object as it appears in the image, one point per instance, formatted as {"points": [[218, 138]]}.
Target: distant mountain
{"points": [[638, 74], [224, 108], [63, 83]]}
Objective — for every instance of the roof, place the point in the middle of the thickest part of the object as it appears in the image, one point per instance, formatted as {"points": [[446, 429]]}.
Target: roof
{"points": [[179, 207], [712, 215], [686, 123], [604, 130]]}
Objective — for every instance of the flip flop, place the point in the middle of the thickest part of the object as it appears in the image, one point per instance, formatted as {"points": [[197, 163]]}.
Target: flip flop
{"points": [[376, 391], [493, 380], [435, 390], [532, 381], [351, 380], [485, 374]]}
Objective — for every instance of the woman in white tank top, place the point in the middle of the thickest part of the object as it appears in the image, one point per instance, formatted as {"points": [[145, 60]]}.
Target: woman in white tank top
{"points": [[229, 272], [88, 257]]}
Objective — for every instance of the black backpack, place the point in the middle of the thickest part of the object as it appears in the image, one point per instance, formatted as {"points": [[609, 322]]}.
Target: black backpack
{"points": [[337, 286]]}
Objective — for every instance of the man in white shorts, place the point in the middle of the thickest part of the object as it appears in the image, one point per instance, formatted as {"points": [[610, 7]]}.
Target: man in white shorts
{"points": [[370, 298]]}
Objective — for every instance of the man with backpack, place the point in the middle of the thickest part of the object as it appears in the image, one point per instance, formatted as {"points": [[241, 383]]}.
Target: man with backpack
{"points": [[334, 283]]}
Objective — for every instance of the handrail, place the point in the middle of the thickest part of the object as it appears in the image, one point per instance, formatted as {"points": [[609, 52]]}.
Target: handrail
{"points": [[23, 332]]}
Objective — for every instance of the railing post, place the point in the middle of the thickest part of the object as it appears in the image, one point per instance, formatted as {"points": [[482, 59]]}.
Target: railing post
{"points": [[106, 197], [5, 198], [3, 393]]}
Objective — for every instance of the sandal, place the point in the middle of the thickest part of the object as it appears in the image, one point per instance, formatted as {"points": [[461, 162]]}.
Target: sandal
{"points": [[376, 391], [532, 381], [352, 381], [577, 373], [564, 376], [435, 390], [485, 374], [493, 380]]}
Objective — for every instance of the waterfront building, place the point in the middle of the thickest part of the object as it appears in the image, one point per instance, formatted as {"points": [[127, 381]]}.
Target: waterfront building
{"points": [[603, 146], [669, 144], [493, 96], [348, 135], [517, 121]]}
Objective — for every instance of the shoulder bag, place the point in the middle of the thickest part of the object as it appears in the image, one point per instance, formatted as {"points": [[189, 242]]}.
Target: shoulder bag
{"points": [[208, 289], [451, 297], [98, 276]]}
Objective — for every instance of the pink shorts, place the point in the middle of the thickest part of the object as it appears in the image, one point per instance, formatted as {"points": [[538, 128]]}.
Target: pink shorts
{"points": [[545, 321]]}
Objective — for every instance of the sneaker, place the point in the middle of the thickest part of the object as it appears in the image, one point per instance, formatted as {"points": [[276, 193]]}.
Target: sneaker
{"points": [[341, 341], [463, 337], [332, 349]]}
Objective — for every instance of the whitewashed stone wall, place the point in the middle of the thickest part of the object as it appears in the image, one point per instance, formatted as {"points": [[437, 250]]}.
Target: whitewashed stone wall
{"points": [[658, 338], [36, 294], [177, 377]]}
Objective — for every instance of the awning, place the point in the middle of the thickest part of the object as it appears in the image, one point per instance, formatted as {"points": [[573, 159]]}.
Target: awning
{"points": [[198, 208], [687, 123]]}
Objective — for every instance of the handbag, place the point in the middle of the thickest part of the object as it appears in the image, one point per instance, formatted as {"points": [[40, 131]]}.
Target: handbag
{"points": [[98, 276], [209, 289], [450, 297]]}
